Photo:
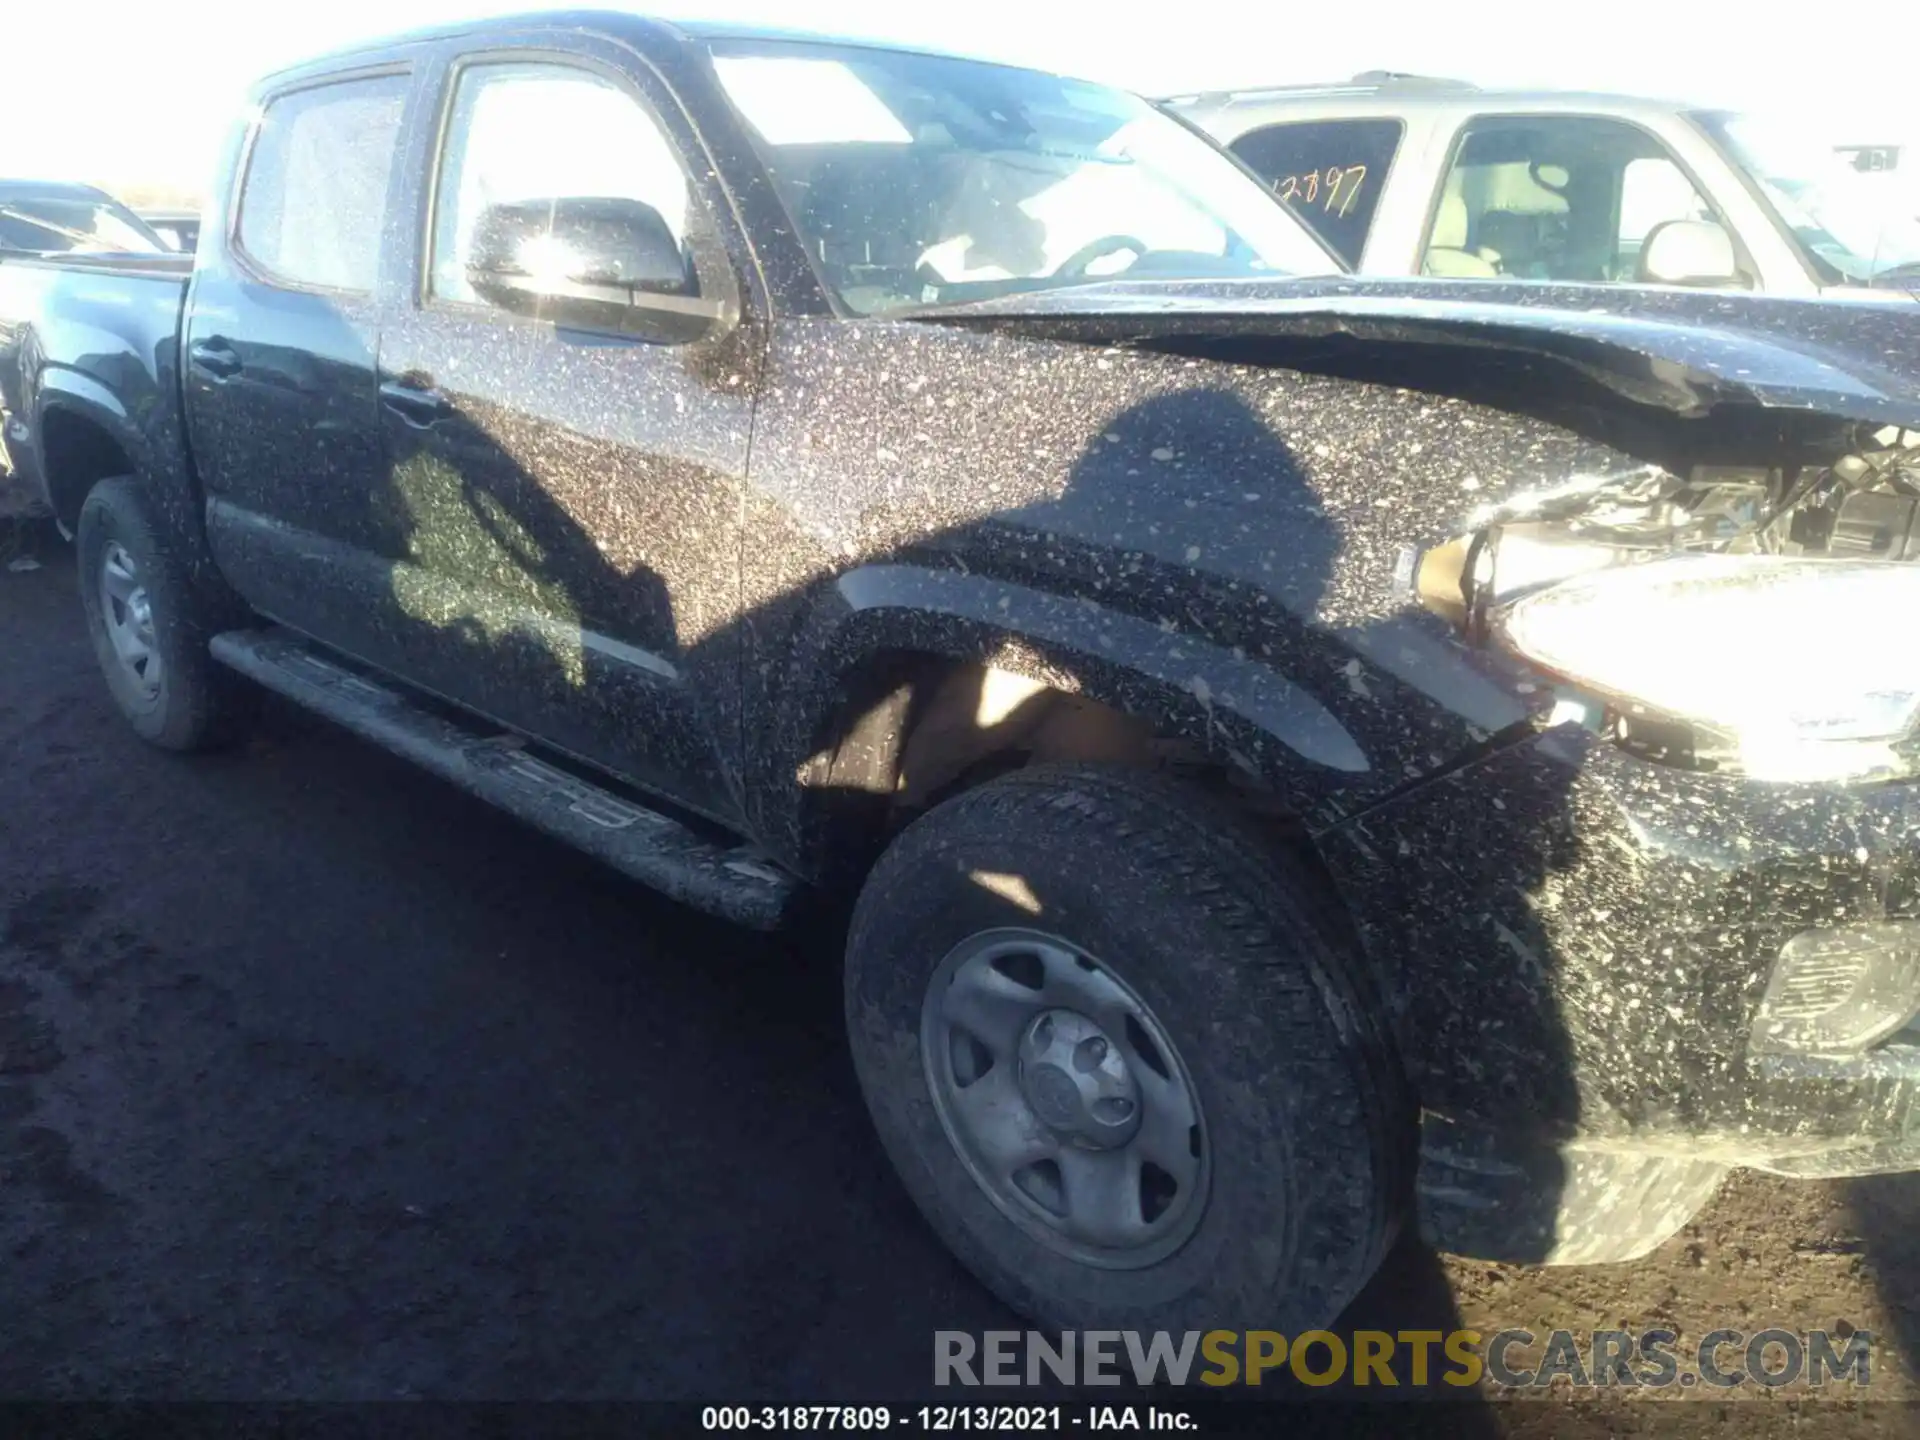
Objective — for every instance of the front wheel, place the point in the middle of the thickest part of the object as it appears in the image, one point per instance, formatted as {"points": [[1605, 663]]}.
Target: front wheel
{"points": [[149, 627], [1121, 1062]]}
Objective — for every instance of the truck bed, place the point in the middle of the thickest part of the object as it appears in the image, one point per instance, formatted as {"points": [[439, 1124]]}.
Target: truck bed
{"points": [[115, 362]]}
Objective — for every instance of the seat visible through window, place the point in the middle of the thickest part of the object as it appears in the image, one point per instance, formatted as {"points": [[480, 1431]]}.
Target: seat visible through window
{"points": [[1447, 252], [1556, 197]]}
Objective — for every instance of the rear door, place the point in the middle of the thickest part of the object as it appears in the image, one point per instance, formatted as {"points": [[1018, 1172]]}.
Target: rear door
{"points": [[280, 346], [566, 417]]}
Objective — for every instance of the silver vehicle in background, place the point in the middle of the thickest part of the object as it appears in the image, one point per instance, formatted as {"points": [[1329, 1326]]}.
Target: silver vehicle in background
{"points": [[1407, 175]]}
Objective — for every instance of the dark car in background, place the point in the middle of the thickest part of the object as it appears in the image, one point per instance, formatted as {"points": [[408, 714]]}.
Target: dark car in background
{"points": [[1274, 731], [44, 217]]}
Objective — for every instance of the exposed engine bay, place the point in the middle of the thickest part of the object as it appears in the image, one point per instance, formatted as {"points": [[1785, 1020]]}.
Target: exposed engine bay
{"points": [[1864, 506], [1721, 600], [1664, 666]]}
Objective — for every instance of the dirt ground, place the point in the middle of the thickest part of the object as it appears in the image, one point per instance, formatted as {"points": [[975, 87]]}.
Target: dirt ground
{"points": [[1801, 1255], [317, 1080]]}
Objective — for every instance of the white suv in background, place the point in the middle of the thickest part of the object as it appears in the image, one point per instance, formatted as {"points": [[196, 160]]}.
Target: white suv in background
{"points": [[1405, 175]]}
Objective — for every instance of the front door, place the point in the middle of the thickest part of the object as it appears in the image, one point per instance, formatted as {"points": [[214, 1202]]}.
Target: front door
{"points": [[565, 450]]}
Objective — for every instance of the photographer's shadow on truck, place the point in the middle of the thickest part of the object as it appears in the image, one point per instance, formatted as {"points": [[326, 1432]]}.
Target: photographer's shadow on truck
{"points": [[1301, 754]]}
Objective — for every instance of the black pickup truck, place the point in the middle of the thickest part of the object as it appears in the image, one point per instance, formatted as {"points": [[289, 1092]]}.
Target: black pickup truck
{"points": [[1294, 747]]}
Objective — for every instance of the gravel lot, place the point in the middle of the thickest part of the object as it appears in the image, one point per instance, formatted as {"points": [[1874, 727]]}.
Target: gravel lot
{"points": [[320, 1080]]}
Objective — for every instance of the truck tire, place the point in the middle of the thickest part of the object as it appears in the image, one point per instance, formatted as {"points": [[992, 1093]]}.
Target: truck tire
{"points": [[149, 629], [1055, 979]]}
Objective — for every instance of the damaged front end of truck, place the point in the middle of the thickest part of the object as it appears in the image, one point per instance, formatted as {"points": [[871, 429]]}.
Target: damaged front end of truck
{"points": [[1670, 922]]}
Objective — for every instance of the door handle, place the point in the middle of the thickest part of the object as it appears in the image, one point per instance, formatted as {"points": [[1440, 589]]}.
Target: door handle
{"points": [[216, 356], [412, 397]]}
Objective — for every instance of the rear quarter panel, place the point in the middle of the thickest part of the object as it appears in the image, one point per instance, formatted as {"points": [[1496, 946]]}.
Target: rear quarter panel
{"points": [[95, 341]]}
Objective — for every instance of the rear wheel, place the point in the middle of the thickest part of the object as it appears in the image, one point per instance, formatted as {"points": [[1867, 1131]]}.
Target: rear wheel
{"points": [[1123, 1066], [150, 630]]}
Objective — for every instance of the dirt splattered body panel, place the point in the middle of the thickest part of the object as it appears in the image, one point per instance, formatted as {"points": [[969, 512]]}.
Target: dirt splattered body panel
{"points": [[700, 566], [1589, 938]]}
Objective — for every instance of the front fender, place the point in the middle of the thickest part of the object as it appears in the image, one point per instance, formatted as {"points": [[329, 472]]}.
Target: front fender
{"points": [[1240, 711], [1246, 712]]}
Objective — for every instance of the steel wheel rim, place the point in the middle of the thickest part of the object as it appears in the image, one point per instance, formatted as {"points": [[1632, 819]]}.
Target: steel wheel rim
{"points": [[1064, 1098], [126, 611]]}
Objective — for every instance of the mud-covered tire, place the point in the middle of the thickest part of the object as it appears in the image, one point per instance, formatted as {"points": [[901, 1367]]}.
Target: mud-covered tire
{"points": [[194, 704], [1308, 1132]]}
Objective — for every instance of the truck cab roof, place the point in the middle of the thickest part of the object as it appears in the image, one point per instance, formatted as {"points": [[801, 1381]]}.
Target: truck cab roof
{"points": [[609, 22]]}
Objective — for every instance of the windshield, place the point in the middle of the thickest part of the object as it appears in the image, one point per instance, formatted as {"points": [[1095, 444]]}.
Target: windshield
{"points": [[43, 225], [1851, 226], [920, 180]]}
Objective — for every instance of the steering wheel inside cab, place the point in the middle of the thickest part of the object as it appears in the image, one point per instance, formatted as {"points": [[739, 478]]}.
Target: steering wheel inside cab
{"points": [[1076, 265], [931, 285]]}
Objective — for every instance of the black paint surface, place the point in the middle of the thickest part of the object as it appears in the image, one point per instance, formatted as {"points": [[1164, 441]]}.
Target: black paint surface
{"points": [[677, 563], [321, 1081]]}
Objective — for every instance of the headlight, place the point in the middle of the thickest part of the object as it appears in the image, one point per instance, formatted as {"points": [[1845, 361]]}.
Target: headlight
{"points": [[1807, 667]]}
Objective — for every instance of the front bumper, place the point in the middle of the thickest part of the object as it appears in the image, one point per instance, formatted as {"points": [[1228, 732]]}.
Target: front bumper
{"points": [[1579, 941]]}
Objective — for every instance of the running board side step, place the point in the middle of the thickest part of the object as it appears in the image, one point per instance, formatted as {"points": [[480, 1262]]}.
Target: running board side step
{"points": [[657, 850]]}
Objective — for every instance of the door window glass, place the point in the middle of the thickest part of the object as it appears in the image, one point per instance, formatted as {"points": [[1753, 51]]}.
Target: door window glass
{"points": [[561, 198], [1556, 198], [316, 187]]}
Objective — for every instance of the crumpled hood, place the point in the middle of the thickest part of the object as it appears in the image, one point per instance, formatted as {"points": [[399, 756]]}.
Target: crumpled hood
{"points": [[1677, 350]]}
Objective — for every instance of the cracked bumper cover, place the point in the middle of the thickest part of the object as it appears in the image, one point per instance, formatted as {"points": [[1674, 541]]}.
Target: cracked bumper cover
{"points": [[1579, 942]]}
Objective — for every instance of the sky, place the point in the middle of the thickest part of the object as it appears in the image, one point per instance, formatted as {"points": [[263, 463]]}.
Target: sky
{"points": [[140, 95]]}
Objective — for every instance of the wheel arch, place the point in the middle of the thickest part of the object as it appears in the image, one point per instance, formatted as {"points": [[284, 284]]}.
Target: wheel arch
{"points": [[993, 668], [85, 437]]}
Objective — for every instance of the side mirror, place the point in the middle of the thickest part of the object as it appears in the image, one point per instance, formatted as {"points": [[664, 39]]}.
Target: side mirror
{"points": [[1689, 252], [581, 260]]}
